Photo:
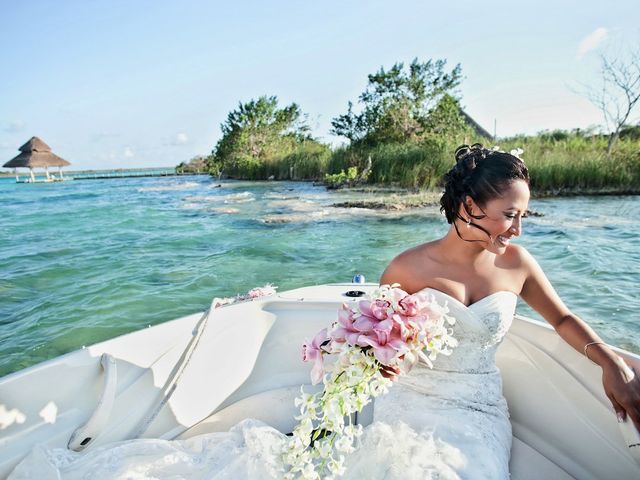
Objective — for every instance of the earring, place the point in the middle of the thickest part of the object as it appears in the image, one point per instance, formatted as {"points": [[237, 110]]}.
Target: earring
{"points": [[468, 222]]}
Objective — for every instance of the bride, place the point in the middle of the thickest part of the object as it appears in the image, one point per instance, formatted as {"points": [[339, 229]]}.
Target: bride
{"points": [[451, 422]]}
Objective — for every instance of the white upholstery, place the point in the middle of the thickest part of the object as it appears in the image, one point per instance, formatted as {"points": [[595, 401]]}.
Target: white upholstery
{"points": [[273, 407], [528, 464]]}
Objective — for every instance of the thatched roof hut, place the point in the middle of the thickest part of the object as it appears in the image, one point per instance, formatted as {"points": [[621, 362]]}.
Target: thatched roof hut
{"points": [[36, 154]]}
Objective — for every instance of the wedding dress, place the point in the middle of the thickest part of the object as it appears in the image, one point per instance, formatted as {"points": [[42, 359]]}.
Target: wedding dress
{"points": [[449, 422]]}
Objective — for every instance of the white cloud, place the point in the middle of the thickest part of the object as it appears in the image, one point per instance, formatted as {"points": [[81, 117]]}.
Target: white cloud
{"points": [[591, 41], [180, 138], [128, 152], [101, 136], [14, 126]]}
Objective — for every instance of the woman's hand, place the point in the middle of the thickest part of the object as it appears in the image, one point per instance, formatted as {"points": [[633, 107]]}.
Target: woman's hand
{"points": [[390, 372], [622, 387]]}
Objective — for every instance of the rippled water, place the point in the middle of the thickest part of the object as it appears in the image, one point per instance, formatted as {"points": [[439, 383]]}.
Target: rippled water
{"points": [[83, 261]]}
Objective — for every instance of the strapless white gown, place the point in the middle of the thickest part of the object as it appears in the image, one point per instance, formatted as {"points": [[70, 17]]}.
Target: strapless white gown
{"points": [[447, 423]]}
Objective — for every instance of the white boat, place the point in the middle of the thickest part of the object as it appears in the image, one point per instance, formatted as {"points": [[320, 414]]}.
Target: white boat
{"points": [[204, 373]]}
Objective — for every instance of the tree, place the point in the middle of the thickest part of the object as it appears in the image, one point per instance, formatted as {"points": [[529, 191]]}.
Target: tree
{"points": [[446, 118], [397, 102], [619, 92], [197, 164], [254, 131]]}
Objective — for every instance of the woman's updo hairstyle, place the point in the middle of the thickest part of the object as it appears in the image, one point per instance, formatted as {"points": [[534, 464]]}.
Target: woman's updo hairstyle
{"points": [[481, 174]]}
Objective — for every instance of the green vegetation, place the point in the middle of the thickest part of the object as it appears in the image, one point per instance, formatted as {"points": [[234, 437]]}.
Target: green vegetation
{"points": [[559, 162], [401, 105], [260, 141], [403, 132], [351, 178], [395, 201], [410, 122], [338, 180], [197, 164], [410, 165], [562, 162]]}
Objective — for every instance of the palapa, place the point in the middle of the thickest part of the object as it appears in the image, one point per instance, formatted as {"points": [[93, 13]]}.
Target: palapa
{"points": [[36, 154]]}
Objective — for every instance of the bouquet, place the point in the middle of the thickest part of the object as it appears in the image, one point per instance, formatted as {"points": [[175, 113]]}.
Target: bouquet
{"points": [[252, 294], [371, 341]]}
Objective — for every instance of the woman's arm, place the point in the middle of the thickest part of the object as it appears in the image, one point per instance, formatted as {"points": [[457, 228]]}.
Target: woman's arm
{"points": [[620, 386]]}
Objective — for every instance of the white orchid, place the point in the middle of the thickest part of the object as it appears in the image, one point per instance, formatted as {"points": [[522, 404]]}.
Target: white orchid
{"points": [[337, 466], [517, 152]]}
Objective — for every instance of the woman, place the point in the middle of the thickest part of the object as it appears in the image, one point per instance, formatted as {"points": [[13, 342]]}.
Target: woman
{"points": [[476, 270], [449, 422]]}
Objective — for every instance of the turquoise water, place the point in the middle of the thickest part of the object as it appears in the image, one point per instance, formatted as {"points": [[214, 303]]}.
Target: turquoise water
{"points": [[83, 261]]}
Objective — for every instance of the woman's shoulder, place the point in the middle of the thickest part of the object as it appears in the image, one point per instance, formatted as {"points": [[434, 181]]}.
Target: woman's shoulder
{"points": [[408, 267], [517, 256], [409, 257]]}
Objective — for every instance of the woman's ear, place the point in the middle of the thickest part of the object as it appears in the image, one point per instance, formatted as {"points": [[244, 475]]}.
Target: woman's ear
{"points": [[469, 204]]}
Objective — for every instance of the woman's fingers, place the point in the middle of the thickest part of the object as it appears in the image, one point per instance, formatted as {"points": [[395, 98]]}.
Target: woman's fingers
{"points": [[636, 422], [630, 401], [390, 372], [634, 410], [619, 409]]}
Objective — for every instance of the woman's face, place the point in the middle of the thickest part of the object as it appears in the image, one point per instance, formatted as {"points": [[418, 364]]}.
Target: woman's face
{"points": [[503, 219]]}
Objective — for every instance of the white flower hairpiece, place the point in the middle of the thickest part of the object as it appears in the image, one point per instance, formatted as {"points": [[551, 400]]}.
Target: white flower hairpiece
{"points": [[516, 152]]}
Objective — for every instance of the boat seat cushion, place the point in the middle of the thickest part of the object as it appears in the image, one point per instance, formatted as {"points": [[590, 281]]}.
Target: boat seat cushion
{"points": [[276, 408], [273, 407], [528, 464]]}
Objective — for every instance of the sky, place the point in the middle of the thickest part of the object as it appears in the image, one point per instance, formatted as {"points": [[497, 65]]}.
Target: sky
{"points": [[139, 83]]}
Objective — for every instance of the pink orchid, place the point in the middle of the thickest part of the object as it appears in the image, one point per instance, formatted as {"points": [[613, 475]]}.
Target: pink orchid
{"points": [[391, 326], [313, 353], [346, 332], [410, 305], [377, 309], [365, 323], [405, 325], [386, 341], [397, 294]]}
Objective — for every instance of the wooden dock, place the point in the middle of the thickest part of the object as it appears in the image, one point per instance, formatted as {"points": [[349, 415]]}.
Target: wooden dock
{"points": [[105, 174], [154, 172]]}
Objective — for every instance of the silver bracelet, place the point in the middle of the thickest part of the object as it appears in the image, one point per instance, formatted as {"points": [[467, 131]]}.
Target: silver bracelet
{"points": [[588, 345]]}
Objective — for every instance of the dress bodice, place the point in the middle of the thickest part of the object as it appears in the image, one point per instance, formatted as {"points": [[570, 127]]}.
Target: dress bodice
{"points": [[469, 376], [458, 403], [479, 329]]}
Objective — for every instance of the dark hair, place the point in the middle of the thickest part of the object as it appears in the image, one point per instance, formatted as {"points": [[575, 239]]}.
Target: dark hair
{"points": [[481, 174]]}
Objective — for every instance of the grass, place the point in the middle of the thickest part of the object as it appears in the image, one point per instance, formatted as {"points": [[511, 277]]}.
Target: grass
{"points": [[579, 165], [560, 163], [571, 165]]}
